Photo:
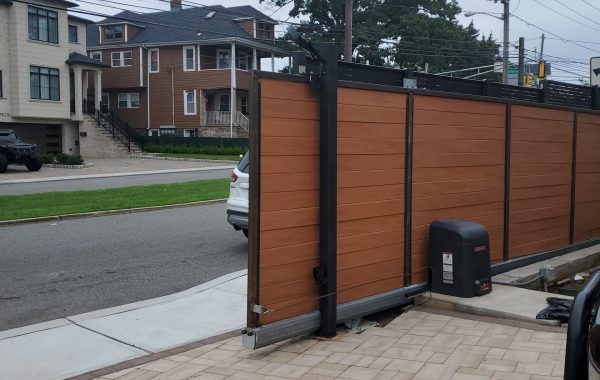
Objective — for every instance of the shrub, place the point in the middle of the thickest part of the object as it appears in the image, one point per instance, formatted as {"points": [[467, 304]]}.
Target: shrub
{"points": [[74, 159], [208, 149], [47, 159], [62, 158]]}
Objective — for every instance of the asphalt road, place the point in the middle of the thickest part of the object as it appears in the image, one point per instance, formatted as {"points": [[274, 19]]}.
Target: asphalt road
{"points": [[53, 270], [110, 182]]}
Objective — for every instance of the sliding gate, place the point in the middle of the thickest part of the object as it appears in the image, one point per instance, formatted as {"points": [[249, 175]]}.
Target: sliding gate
{"points": [[342, 197]]}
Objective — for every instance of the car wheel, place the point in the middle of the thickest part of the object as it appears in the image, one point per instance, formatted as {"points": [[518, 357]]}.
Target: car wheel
{"points": [[35, 165], [245, 231], [3, 163]]}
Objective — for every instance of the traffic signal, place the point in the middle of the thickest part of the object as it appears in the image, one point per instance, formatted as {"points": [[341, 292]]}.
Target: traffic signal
{"points": [[542, 69]]}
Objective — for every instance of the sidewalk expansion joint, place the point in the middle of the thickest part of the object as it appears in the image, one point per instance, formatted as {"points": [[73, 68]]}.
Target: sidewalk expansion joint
{"points": [[108, 336]]}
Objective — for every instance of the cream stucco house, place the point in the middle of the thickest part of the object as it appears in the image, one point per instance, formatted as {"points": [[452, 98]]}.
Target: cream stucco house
{"points": [[44, 74]]}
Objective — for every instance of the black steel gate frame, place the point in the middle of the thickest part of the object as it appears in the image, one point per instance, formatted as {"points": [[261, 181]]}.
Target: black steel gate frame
{"points": [[256, 336]]}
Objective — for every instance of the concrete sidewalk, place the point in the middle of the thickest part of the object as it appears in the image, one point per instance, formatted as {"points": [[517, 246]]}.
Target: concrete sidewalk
{"points": [[107, 167], [421, 344], [78, 344]]}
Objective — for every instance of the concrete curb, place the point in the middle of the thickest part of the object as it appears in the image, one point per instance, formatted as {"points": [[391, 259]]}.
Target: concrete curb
{"points": [[93, 214], [111, 175], [153, 157], [62, 166]]}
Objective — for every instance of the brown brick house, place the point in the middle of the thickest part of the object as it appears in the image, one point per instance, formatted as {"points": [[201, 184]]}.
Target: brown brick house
{"points": [[184, 71]]}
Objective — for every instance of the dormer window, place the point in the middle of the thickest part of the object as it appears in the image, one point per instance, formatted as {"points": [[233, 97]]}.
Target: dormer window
{"points": [[210, 14], [265, 30], [114, 32]]}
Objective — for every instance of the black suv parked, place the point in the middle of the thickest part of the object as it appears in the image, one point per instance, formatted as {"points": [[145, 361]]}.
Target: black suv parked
{"points": [[15, 151]]}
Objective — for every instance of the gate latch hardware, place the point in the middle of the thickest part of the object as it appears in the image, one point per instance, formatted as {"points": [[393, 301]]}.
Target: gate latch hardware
{"points": [[259, 309], [320, 274]]}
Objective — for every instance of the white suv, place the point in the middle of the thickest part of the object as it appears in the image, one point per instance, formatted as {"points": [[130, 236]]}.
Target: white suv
{"points": [[237, 204]]}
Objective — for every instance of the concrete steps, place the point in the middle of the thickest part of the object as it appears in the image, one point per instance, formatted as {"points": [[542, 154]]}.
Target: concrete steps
{"points": [[99, 142]]}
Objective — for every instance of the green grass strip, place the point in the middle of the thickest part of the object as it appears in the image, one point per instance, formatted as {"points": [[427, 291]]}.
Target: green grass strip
{"points": [[201, 156], [72, 202]]}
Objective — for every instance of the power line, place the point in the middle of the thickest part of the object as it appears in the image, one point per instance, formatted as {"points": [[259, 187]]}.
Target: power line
{"points": [[553, 34], [565, 16], [573, 10], [593, 6]]}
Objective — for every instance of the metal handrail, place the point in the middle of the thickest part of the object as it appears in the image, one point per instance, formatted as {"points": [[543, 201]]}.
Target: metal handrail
{"points": [[576, 357], [118, 127]]}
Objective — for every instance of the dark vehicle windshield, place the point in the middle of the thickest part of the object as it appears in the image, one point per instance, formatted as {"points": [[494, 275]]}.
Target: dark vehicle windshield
{"points": [[244, 165], [7, 136]]}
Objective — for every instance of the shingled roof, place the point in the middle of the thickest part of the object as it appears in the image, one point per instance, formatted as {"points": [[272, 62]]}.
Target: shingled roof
{"points": [[189, 24]]}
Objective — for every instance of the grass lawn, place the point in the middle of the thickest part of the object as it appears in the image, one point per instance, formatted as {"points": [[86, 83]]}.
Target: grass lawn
{"points": [[200, 156], [73, 202]]}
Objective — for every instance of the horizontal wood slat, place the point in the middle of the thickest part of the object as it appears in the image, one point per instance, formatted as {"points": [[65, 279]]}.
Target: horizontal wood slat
{"points": [[587, 178], [540, 181], [458, 170]]}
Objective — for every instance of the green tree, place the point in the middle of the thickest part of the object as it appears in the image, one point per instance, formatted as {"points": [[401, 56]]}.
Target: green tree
{"points": [[399, 33]]}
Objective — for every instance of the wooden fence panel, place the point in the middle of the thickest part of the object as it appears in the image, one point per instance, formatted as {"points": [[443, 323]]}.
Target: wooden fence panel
{"points": [[540, 180], [289, 199], [458, 170], [371, 145], [587, 193]]}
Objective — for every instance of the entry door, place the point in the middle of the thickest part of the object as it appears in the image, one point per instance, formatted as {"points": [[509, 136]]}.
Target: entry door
{"points": [[105, 103]]}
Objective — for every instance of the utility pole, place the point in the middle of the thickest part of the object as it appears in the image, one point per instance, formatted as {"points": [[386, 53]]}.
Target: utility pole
{"points": [[521, 60], [505, 63], [348, 39], [542, 47]]}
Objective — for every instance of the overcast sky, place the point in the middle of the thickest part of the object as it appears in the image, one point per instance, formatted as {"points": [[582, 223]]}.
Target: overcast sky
{"points": [[570, 60]]}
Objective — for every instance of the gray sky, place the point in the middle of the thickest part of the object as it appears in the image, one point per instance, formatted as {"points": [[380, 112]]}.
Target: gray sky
{"points": [[570, 60]]}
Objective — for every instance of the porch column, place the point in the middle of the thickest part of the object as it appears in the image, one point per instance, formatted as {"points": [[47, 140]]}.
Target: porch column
{"points": [[254, 65], [85, 84], [98, 89], [232, 90], [272, 62], [78, 92]]}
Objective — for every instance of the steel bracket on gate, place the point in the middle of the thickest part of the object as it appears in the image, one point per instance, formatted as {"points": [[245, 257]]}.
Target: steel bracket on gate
{"points": [[259, 309], [320, 274]]}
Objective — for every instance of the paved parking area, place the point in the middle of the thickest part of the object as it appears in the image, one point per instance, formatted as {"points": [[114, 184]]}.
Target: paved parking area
{"points": [[421, 344]]}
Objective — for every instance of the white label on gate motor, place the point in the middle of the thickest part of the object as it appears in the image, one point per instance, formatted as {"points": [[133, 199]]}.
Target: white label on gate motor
{"points": [[447, 268], [447, 258]]}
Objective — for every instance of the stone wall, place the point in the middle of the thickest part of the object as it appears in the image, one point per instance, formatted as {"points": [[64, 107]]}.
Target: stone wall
{"points": [[221, 132], [97, 142]]}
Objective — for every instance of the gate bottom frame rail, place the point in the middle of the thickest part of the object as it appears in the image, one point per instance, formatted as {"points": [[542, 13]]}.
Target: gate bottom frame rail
{"points": [[254, 338]]}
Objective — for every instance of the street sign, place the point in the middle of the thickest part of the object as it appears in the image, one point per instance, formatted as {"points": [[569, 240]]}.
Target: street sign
{"points": [[594, 71]]}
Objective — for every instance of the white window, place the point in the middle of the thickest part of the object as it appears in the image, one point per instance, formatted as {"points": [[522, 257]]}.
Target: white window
{"points": [[96, 56], [122, 58], [189, 100], [189, 133], [154, 60], [223, 59], [224, 104], [242, 60], [129, 100], [189, 58], [244, 104]]}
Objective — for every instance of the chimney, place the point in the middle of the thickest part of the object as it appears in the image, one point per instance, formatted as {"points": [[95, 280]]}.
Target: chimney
{"points": [[175, 6]]}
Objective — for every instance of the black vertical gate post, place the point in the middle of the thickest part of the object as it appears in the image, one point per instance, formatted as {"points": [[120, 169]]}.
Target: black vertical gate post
{"points": [[408, 169], [507, 137], [326, 274], [573, 178]]}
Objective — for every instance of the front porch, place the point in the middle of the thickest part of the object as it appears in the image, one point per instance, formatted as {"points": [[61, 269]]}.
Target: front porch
{"points": [[83, 68]]}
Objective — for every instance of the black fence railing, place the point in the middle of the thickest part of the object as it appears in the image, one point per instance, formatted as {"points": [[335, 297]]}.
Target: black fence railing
{"points": [[114, 124], [220, 142], [558, 93]]}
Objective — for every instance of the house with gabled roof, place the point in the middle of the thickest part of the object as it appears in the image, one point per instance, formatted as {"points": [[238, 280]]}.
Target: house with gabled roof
{"points": [[184, 71], [44, 73]]}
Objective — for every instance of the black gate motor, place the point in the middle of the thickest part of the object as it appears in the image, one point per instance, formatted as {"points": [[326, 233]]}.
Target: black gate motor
{"points": [[459, 258]]}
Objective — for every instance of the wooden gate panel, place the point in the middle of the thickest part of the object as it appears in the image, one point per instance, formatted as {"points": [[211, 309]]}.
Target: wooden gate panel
{"points": [[289, 199], [540, 181], [371, 146], [587, 194], [458, 170]]}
